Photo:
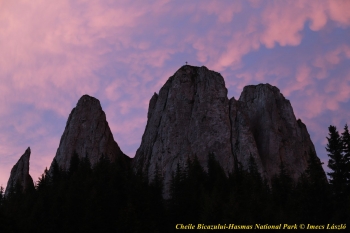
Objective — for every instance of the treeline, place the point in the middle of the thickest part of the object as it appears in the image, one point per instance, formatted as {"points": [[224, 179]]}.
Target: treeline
{"points": [[109, 198], [105, 198], [245, 198]]}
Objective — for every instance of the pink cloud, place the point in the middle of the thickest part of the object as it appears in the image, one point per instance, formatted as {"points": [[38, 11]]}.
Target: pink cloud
{"points": [[278, 22], [339, 90], [318, 101], [223, 11], [339, 11], [285, 20], [303, 78]]}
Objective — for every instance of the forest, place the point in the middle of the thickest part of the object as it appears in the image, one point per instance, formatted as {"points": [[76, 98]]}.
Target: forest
{"points": [[108, 198]]}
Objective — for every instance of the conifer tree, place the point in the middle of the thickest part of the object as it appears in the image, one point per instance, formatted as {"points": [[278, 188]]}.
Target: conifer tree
{"points": [[253, 170], [216, 174], [282, 190], [74, 163], [155, 208], [85, 167], [1, 194], [345, 138], [312, 192], [157, 188], [177, 194], [43, 181], [194, 189], [336, 161], [176, 184], [255, 194], [56, 173], [314, 171]]}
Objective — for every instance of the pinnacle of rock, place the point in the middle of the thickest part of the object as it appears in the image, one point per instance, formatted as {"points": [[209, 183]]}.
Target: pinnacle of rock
{"points": [[189, 117], [278, 136], [20, 177], [88, 134]]}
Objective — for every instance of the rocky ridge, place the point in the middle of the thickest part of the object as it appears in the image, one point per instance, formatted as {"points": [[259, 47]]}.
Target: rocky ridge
{"points": [[19, 176], [192, 116]]}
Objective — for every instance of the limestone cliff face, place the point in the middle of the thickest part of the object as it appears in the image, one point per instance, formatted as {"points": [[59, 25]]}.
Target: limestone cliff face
{"points": [[87, 133], [189, 117], [192, 116], [242, 137], [20, 175], [278, 136]]}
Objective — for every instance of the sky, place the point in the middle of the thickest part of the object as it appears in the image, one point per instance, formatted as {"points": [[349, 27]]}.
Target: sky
{"points": [[121, 52]]}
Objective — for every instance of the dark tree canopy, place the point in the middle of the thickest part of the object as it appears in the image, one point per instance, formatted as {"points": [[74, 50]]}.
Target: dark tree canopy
{"points": [[338, 149], [108, 197]]}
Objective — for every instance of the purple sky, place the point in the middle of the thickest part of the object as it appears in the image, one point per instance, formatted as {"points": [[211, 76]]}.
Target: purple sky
{"points": [[121, 52]]}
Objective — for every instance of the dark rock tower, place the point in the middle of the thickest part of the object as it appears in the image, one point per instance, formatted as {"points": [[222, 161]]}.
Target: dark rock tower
{"points": [[20, 175], [87, 133]]}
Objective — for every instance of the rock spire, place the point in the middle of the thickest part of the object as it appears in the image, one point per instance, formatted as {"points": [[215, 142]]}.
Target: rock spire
{"points": [[266, 124], [88, 134], [189, 117], [20, 177]]}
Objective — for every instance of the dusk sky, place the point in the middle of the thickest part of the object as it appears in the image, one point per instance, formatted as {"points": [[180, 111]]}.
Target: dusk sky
{"points": [[121, 52]]}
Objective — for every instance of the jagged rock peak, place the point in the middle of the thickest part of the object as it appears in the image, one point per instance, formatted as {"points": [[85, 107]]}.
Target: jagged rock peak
{"points": [[88, 134], [20, 175], [189, 117], [262, 92], [278, 136], [89, 101]]}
